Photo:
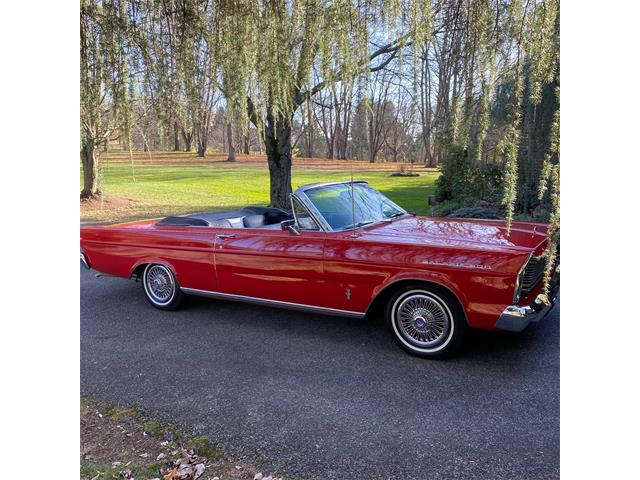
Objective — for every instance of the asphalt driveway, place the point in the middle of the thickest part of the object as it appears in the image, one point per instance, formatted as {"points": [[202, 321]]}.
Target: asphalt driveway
{"points": [[326, 397]]}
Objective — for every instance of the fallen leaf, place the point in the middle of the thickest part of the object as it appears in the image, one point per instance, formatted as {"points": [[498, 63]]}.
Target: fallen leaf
{"points": [[199, 470], [185, 470], [171, 475]]}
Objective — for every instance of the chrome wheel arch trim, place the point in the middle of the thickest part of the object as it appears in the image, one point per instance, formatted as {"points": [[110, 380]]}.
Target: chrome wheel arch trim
{"points": [[389, 287], [402, 338], [143, 264], [272, 303]]}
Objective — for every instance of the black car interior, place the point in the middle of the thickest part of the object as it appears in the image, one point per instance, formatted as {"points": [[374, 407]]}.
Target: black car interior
{"points": [[247, 217]]}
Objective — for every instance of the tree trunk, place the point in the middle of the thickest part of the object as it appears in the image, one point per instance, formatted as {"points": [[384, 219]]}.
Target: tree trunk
{"points": [[232, 150], [277, 142], [202, 136], [342, 145], [90, 160], [202, 143], [373, 153], [310, 137], [187, 137], [245, 142], [430, 160], [176, 138]]}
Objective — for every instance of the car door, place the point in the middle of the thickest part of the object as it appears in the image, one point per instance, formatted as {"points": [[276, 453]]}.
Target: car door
{"points": [[188, 249], [271, 264]]}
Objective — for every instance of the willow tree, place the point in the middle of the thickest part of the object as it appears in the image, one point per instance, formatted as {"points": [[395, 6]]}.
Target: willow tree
{"points": [[103, 83], [534, 28], [268, 51]]}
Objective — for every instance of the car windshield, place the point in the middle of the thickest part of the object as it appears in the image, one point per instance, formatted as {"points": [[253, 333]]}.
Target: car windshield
{"points": [[335, 204]]}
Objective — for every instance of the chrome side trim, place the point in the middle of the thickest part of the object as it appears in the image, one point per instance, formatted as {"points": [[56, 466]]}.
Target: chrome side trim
{"points": [[272, 303], [85, 264]]}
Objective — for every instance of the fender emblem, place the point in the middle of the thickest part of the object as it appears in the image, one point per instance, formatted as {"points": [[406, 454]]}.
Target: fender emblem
{"points": [[456, 265], [347, 294]]}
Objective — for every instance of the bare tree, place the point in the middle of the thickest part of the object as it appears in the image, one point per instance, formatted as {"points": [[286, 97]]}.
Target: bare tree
{"points": [[103, 100], [232, 150]]}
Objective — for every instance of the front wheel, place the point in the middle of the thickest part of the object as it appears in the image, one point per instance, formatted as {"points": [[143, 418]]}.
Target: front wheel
{"points": [[161, 287], [426, 321]]}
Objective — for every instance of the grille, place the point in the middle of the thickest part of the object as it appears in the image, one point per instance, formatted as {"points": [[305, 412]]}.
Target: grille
{"points": [[532, 274]]}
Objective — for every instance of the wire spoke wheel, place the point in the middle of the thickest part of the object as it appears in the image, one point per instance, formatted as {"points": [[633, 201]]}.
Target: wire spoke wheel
{"points": [[159, 284], [422, 319]]}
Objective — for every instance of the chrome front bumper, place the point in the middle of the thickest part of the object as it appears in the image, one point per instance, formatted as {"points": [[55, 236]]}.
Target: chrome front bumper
{"points": [[85, 264], [516, 318]]}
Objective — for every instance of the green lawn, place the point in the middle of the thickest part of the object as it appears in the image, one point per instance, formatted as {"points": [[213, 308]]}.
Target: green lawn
{"points": [[162, 189]]}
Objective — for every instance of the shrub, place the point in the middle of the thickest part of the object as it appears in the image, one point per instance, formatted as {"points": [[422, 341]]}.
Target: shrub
{"points": [[489, 182], [404, 170], [456, 175], [464, 181]]}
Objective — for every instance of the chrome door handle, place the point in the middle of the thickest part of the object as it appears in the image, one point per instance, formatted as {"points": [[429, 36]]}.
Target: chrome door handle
{"points": [[225, 235]]}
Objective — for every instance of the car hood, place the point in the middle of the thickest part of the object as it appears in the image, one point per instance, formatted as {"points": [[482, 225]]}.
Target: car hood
{"points": [[489, 234]]}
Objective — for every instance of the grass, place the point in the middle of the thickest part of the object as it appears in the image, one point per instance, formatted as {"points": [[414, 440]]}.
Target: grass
{"points": [[199, 443], [99, 471], [184, 183]]}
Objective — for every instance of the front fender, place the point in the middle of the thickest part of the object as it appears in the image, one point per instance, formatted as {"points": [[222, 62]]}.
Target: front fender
{"points": [[481, 295], [437, 278]]}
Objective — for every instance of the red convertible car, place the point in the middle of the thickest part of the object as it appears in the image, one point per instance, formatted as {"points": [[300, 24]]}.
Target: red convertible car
{"points": [[344, 249]]}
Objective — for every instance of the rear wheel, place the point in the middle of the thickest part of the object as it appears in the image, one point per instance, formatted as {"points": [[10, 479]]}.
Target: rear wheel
{"points": [[426, 321], [161, 287]]}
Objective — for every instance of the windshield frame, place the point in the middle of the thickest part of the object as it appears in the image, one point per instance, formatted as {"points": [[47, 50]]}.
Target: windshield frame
{"points": [[302, 197]]}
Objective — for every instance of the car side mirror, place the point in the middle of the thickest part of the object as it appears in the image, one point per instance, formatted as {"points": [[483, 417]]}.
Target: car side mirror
{"points": [[290, 226]]}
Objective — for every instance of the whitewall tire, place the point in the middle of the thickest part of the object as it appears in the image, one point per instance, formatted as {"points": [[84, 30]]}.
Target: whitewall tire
{"points": [[161, 287], [426, 321]]}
